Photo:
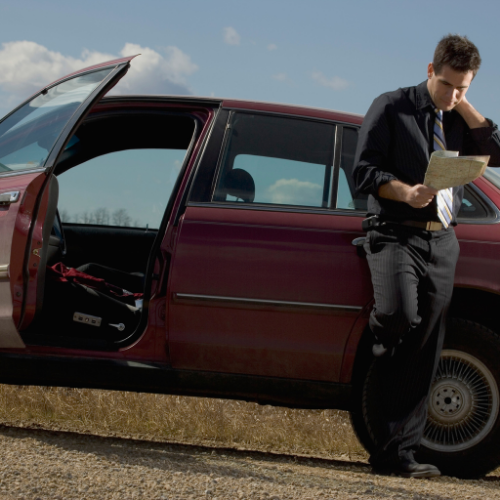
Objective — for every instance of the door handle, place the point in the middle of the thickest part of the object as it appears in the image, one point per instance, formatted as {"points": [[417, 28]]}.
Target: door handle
{"points": [[8, 198], [358, 243], [4, 271]]}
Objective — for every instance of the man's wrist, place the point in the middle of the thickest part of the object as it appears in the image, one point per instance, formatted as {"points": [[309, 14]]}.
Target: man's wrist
{"points": [[472, 117], [394, 190], [401, 191]]}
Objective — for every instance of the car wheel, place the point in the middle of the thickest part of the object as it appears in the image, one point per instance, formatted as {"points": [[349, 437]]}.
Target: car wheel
{"points": [[462, 434]]}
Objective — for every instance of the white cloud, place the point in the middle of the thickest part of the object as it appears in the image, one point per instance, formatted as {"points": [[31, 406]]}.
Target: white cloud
{"points": [[272, 46], [295, 192], [26, 67], [280, 77], [335, 82], [163, 72], [231, 36]]}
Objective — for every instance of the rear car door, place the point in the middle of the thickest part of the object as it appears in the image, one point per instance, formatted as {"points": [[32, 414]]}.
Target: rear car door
{"points": [[265, 280], [31, 139]]}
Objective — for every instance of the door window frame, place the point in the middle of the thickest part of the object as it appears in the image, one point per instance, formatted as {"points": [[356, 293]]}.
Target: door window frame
{"points": [[212, 161]]}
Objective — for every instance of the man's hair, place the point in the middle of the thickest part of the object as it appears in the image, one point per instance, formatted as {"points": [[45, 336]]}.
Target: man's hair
{"points": [[458, 52]]}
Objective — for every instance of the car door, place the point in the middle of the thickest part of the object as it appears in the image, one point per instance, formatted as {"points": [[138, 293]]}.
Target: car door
{"points": [[265, 279], [31, 139]]}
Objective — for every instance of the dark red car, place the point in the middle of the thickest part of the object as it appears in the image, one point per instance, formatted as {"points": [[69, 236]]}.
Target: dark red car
{"points": [[213, 247]]}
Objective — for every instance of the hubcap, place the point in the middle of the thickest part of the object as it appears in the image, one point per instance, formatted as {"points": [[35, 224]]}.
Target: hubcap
{"points": [[463, 404]]}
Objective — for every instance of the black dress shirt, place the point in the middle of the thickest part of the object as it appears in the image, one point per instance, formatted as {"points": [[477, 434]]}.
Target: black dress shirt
{"points": [[396, 141]]}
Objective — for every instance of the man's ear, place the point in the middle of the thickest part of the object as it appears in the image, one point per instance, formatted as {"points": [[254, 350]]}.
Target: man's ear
{"points": [[430, 70]]}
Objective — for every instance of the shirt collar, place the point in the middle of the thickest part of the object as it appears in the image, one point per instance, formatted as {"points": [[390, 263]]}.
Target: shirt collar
{"points": [[423, 98]]}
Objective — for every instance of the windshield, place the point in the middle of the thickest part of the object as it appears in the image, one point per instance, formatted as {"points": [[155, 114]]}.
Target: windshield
{"points": [[28, 135]]}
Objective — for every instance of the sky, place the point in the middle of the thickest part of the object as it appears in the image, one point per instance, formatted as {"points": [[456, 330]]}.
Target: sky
{"points": [[334, 54], [322, 53]]}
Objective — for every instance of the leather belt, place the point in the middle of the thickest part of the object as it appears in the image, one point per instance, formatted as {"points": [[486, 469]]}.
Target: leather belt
{"points": [[427, 225]]}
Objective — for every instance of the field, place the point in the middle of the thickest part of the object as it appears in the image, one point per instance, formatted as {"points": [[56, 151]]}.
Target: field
{"points": [[202, 421]]}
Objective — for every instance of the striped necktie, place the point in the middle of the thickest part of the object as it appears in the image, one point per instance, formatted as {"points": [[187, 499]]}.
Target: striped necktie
{"points": [[444, 197]]}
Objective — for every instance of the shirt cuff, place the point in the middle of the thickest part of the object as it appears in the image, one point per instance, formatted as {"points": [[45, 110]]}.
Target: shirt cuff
{"points": [[381, 179], [483, 134]]}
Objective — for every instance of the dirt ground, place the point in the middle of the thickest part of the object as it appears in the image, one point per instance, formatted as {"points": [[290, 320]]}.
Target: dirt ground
{"points": [[42, 464]]}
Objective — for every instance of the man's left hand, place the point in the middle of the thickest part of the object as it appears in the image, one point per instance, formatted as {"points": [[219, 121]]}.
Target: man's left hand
{"points": [[472, 117]]}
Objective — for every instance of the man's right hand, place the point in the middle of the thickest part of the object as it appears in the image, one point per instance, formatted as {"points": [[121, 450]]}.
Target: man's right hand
{"points": [[417, 196]]}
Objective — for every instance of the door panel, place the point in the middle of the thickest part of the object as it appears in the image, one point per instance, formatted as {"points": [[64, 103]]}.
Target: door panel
{"points": [[264, 293], [15, 221], [123, 248]]}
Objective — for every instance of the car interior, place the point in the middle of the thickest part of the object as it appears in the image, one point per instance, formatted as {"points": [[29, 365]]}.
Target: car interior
{"points": [[94, 276]]}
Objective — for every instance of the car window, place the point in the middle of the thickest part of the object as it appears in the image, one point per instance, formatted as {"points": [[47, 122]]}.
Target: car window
{"points": [[472, 207], [123, 188], [347, 198], [276, 161], [28, 135]]}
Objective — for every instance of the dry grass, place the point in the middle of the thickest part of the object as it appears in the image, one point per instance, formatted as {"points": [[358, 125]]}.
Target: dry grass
{"points": [[190, 420]]}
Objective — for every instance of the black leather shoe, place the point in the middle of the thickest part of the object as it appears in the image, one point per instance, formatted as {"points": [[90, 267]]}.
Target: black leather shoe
{"points": [[409, 469]]}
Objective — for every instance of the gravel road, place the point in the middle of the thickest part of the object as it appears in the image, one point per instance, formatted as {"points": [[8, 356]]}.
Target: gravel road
{"points": [[40, 464]]}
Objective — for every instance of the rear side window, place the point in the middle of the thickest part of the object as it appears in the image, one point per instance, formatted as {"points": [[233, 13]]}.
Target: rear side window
{"points": [[473, 208], [277, 161]]}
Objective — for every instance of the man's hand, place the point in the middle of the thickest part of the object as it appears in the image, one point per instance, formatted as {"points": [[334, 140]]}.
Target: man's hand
{"points": [[418, 196], [472, 117]]}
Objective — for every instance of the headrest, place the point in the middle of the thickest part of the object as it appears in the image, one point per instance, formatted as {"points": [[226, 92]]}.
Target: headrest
{"points": [[240, 184]]}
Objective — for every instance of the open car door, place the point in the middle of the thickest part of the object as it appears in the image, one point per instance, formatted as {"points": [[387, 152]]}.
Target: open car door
{"points": [[31, 139]]}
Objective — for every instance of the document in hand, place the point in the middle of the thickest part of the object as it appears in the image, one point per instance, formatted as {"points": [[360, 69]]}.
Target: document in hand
{"points": [[446, 169]]}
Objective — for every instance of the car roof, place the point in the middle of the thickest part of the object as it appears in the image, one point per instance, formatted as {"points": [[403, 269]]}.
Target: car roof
{"points": [[256, 106], [292, 109]]}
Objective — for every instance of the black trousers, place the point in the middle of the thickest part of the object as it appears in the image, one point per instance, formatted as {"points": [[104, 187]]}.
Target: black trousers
{"points": [[412, 274]]}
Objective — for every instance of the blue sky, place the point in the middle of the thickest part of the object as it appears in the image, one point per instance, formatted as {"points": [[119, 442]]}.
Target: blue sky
{"points": [[323, 53], [335, 54]]}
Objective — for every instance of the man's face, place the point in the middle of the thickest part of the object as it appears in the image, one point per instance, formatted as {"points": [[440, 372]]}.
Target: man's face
{"points": [[449, 87]]}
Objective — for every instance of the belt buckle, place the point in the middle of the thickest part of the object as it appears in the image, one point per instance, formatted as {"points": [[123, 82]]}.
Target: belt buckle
{"points": [[433, 226]]}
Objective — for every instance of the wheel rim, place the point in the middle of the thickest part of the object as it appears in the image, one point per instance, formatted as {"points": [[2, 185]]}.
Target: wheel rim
{"points": [[463, 404]]}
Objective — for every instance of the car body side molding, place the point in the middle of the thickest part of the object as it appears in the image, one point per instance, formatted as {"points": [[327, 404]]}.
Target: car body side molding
{"points": [[249, 302]]}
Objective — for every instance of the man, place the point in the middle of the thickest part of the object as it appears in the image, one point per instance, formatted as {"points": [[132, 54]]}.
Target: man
{"points": [[411, 245]]}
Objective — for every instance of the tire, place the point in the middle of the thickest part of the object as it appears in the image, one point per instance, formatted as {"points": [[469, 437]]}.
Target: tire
{"points": [[462, 434]]}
